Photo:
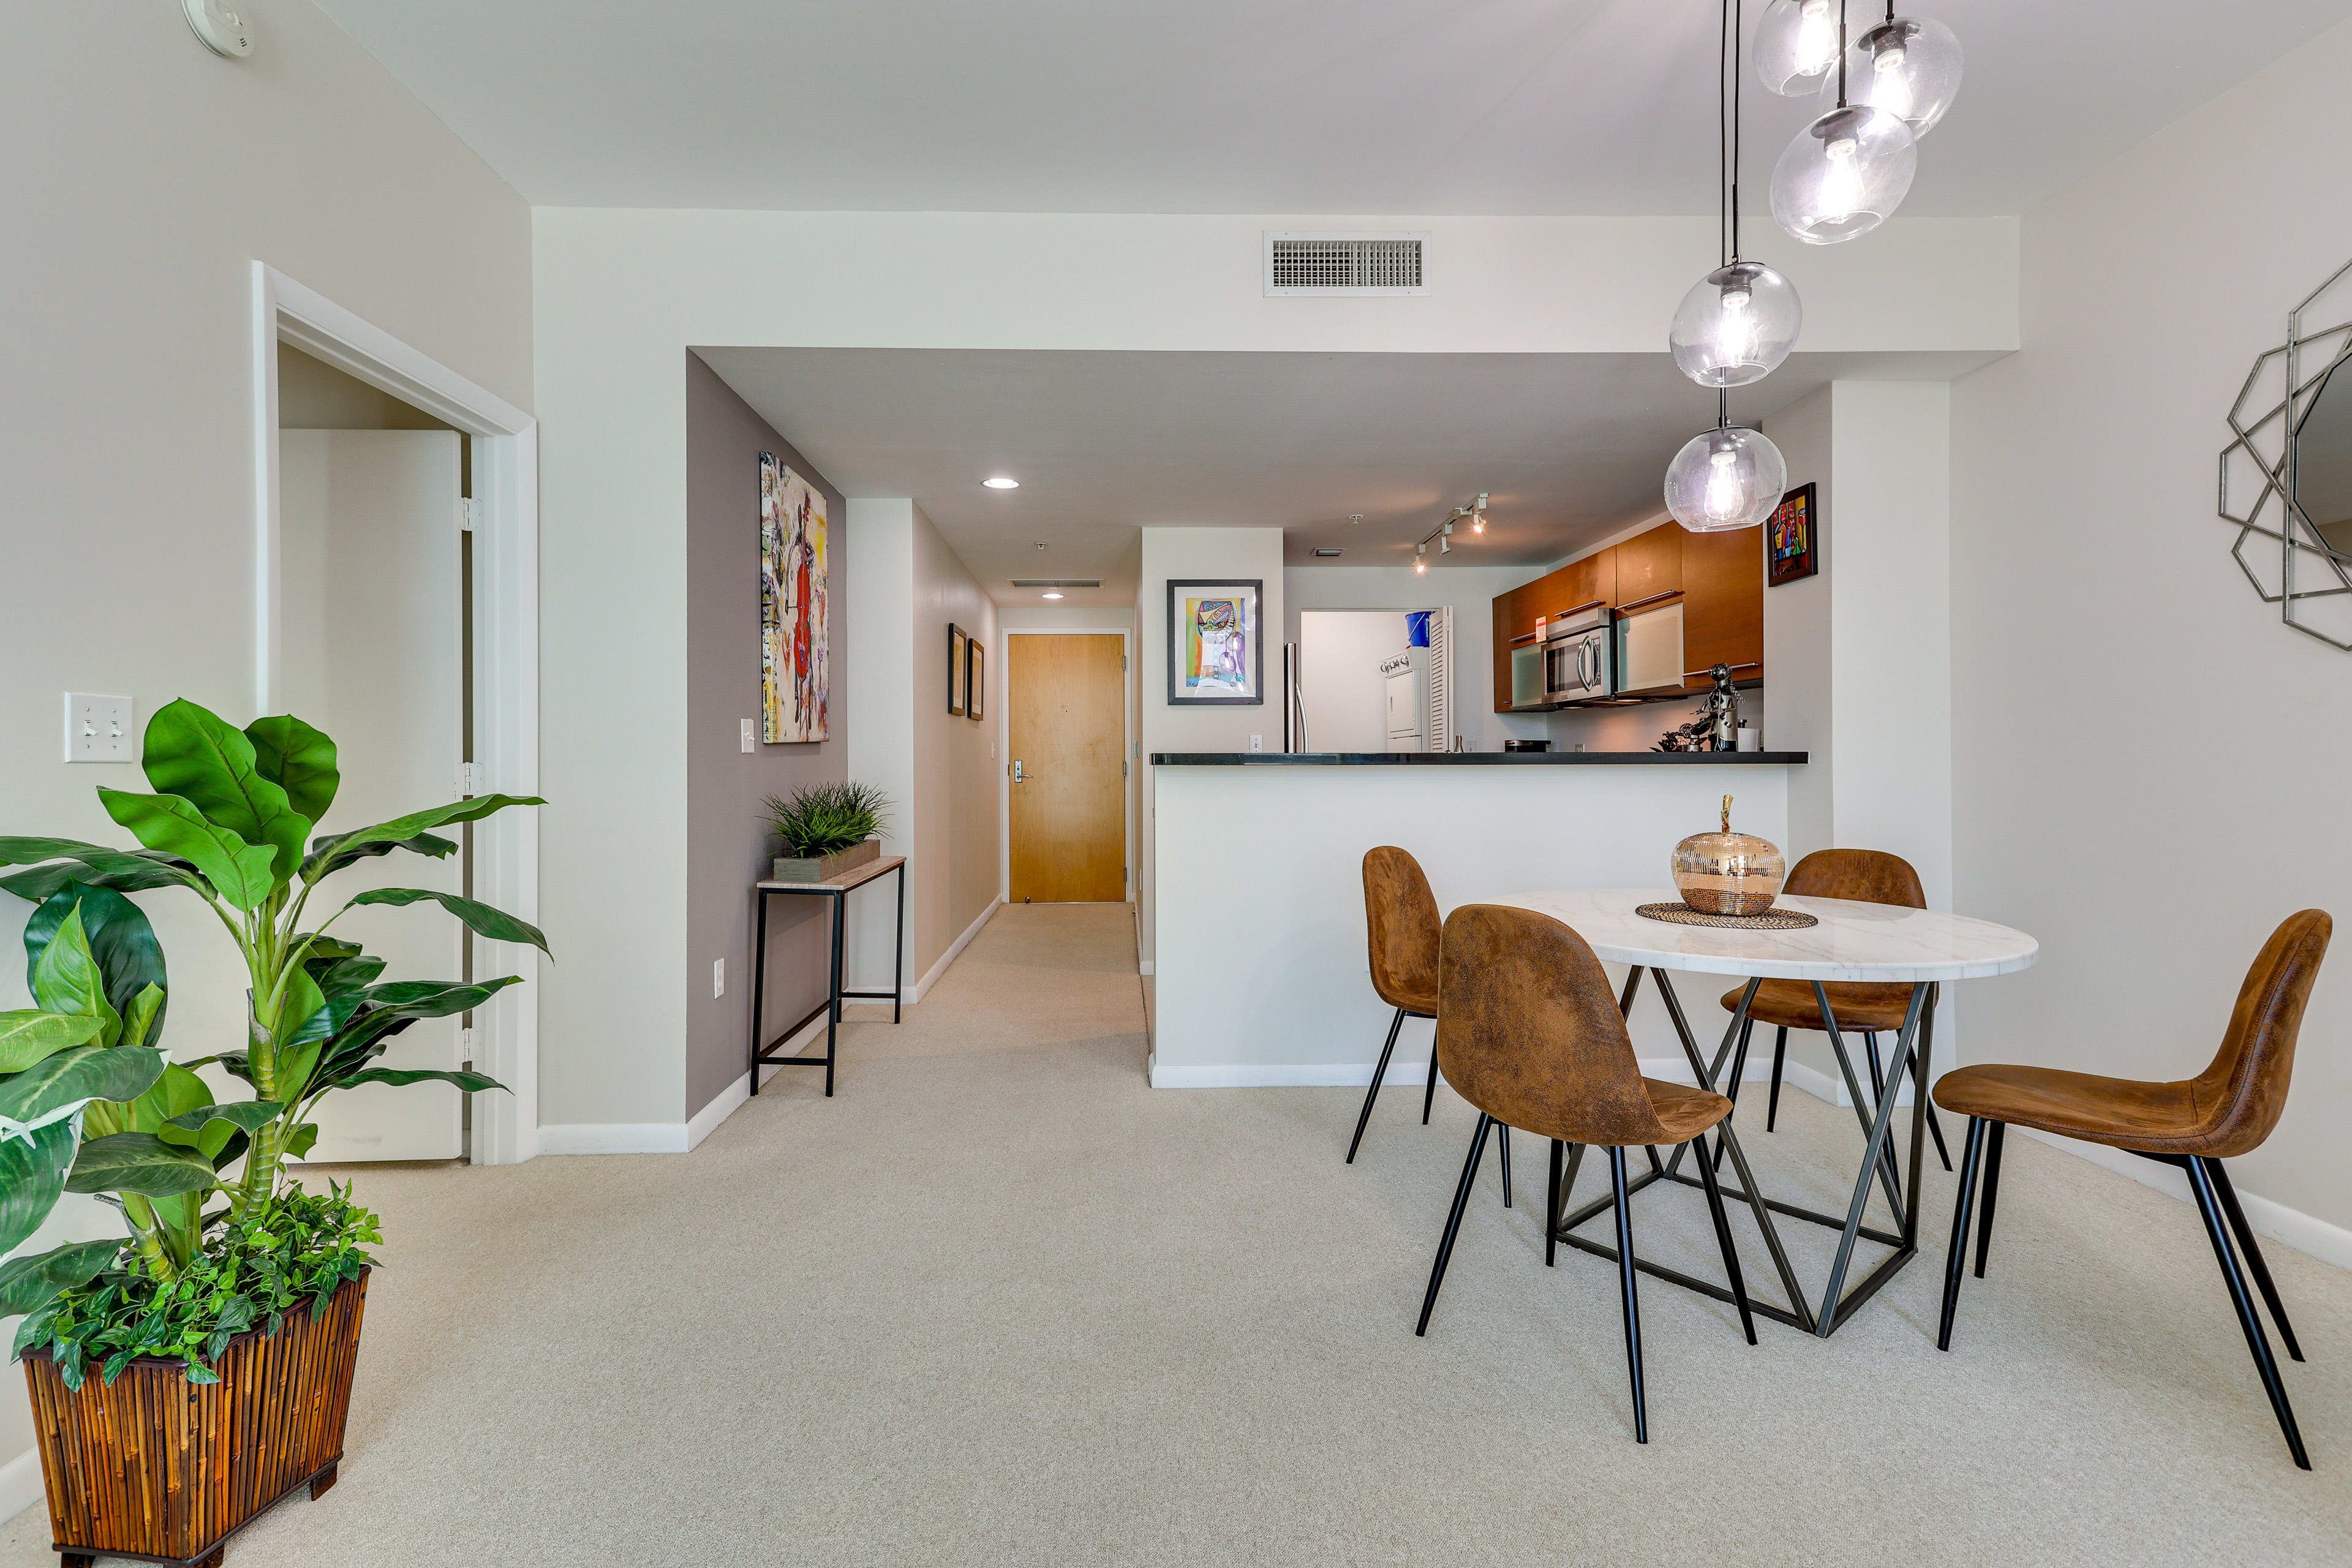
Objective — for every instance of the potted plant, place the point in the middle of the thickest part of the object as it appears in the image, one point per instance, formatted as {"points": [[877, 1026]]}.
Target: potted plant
{"points": [[827, 828], [223, 1331]]}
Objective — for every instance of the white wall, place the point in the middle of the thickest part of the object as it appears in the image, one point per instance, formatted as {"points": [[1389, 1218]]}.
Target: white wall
{"points": [[880, 667], [152, 175], [2153, 843], [1469, 590], [1341, 689]]}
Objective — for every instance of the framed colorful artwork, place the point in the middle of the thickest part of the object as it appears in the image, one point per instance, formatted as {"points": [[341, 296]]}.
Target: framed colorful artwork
{"points": [[975, 678], [795, 660], [959, 668], [1216, 648], [1792, 538]]}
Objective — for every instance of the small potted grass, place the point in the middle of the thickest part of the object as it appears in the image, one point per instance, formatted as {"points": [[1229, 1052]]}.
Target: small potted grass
{"points": [[826, 829]]}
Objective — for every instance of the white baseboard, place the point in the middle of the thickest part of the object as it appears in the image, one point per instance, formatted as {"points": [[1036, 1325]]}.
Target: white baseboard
{"points": [[1356, 1074], [1143, 966], [915, 993], [2329, 1243], [1817, 1083], [20, 1484], [670, 1137]]}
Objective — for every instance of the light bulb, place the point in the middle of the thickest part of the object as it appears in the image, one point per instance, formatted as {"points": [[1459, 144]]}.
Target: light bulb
{"points": [[1420, 563], [1843, 174], [1725, 478], [1795, 43], [1908, 66], [1736, 325], [1477, 522]]}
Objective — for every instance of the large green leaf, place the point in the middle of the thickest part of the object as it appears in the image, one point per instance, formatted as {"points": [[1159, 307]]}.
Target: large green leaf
{"points": [[209, 1129], [298, 759], [471, 1083], [193, 752], [237, 872], [26, 1283], [330, 854], [120, 940], [143, 1020], [298, 1142], [401, 829], [139, 1163], [32, 1174], [294, 1048], [27, 1037], [435, 998], [124, 871], [67, 979], [338, 976], [70, 1076], [33, 851], [176, 1092], [480, 919]]}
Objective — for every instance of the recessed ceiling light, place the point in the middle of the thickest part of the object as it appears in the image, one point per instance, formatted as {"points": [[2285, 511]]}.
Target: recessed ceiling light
{"points": [[1001, 482], [1053, 596]]}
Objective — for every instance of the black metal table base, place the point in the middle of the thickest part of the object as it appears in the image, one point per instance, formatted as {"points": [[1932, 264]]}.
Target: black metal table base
{"points": [[1837, 1301], [830, 1008]]}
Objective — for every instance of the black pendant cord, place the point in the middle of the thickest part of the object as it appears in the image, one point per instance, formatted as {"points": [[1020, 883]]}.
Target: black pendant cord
{"points": [[1737, 22], [1841, 52], [1723, 408], [1725, 246]]}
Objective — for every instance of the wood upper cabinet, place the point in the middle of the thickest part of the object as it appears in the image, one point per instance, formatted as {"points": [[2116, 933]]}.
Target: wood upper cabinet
{"points": [[1723, 606], [1649, 565], [1515, 617]]}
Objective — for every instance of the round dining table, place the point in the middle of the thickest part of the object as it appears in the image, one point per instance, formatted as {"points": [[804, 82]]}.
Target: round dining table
{"points": [[1852, 942]]}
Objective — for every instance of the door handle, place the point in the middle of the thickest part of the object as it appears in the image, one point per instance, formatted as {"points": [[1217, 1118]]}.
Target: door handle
{"points": [[1018, 776]]}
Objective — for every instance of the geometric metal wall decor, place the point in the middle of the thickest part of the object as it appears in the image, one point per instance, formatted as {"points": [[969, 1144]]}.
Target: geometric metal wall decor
{"points": [[2287, 479]]}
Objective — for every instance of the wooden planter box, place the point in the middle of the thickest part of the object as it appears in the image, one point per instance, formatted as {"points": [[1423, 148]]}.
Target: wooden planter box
{"points": [[161, 1470], [825, 867]]}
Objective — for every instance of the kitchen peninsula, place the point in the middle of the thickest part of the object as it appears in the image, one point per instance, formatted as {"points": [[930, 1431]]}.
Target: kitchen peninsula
{"points": [[1260, 968]]}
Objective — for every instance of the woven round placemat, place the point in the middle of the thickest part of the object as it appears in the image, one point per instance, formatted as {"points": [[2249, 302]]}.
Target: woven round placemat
{"points": [[1770, 920]]}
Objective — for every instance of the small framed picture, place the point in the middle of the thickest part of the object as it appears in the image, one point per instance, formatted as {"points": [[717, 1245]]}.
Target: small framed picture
{"points": [[1216, 648], [959, 658], [1792, 538], [975, 682]]}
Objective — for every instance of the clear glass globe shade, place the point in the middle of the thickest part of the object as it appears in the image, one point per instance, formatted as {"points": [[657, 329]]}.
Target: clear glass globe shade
{"points": [[1796, 42], [1843, 174], [1736, 325], [1910, 67], [1724, 479]]}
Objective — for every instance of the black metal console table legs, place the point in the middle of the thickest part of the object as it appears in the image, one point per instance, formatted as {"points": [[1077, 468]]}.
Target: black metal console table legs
{"points": [[834, 995]]}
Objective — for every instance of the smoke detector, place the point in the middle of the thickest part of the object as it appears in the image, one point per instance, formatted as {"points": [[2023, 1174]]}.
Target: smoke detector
{"points": [[225, 28]]}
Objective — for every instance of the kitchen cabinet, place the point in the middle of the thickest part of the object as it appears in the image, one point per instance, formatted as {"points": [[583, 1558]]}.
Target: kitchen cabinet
{"points": [[1723, 607], [1650, 565]]}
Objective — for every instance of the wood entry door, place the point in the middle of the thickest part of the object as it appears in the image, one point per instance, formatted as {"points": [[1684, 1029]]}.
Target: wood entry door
{"points": [[1066, 716]]}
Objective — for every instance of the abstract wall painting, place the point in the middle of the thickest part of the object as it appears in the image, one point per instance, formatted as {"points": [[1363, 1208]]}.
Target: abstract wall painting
{"points": [[1792, 538], [1216, 651], [796, 655]]}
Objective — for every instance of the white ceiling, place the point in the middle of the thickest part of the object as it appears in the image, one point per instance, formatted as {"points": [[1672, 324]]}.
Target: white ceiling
{"points": [[1571, 446], [1407, 107]]}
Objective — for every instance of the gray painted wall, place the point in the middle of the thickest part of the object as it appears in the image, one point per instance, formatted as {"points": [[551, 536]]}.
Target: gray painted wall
{"points": [[727, 845]]}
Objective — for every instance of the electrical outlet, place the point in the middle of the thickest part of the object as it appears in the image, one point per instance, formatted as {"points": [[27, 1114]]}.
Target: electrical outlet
{"points": [[97, 729], [717, 978], [748, 744], [1257, 743]]}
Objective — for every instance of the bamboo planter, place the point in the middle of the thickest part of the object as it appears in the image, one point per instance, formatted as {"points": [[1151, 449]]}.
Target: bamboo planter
{"points": [[165, 1470]]}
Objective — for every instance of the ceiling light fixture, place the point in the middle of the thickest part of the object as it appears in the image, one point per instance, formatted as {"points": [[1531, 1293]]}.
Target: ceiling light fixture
{"points": [[1052, 595], [1847, 172], [1796, 44], [1908, 66], [1421, 557], [1001, 482], [1441, 535]]}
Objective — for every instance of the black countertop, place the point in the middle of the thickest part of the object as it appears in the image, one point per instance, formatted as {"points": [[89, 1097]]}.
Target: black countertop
{"points": [[1465, 759]]}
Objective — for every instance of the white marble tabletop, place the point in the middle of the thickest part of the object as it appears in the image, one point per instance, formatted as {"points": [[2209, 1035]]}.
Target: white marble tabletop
{"points": [[1853, 942]]}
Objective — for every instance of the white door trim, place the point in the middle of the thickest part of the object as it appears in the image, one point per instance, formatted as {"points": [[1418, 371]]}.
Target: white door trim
{"points": [[506, 636], [1003, 656]]}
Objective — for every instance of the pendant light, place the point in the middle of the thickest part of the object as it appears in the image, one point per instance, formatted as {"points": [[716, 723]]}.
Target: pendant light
{"points": [[1847, 172], [1736, 325], [1907, 65], [1796, 44]]}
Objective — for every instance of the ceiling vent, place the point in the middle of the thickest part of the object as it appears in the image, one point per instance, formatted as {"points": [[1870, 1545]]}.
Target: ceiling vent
{"points": [[1057, 581], [1345, 263]]}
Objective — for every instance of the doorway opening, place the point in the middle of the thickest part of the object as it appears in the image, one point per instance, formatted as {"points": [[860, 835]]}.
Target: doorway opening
{"points": [[1067, 768], [1376, 681]]}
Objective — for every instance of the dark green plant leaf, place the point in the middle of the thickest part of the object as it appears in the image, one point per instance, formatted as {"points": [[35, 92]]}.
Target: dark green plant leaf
{"points": [[85, 1072], [239, 872], [144, 1022], [299, 1142], [176, 1093], [295, 1046], [26, 1284], [32, 1174], [480, 919], [139, 1163], [339, 976], [329, 855], [119, 937], [33, 851], [400, 830], [300, 759], [435, 998], [66, 978], [471, 1083], [193, 752], [27, 1037], [246, 1115]]}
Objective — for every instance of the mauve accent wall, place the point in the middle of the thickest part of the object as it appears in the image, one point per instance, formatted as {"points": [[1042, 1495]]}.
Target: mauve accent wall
{"points": [[727, 845]]}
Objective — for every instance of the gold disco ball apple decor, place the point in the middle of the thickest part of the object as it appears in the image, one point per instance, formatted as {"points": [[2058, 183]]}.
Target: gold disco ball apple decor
{"points": [[1728, 873]]}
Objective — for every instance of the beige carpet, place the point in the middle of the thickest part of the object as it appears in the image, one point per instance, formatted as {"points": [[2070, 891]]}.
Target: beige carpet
{"points": [[998, 1301]]}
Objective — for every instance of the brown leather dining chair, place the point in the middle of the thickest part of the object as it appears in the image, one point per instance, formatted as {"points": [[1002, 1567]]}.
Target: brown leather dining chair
{"points": [[1865, 876], [1528, 1032], [2195, 1123], [1401, 925]]}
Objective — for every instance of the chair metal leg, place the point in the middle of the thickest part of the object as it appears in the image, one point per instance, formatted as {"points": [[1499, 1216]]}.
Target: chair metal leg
{"points": [[1779, 1059], [1373, 1093], [1722, 1239], [2246, 1235], [1992, 1191], [1551, 1206], [1429, 1094], [1957, 1259], [1738, 1072], [2200, 1182], [1454, 1220], [1877, 1073], [1627, 1289], [1920, 1060], [1507, 1162]]}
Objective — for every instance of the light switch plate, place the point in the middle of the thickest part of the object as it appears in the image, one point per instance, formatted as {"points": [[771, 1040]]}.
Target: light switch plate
{"points": [[1257, 743], [717, 978], [97, 729], [748, 745]]}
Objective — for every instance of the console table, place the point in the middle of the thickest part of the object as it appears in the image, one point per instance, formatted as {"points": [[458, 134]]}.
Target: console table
{"points": [[837, 890]]}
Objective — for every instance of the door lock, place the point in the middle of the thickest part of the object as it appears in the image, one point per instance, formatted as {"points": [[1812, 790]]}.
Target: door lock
{"points": [[1018, 776]]}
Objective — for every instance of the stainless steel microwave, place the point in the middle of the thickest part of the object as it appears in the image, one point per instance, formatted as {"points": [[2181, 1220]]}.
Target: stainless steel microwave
{"points": [[1579, 658]]}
